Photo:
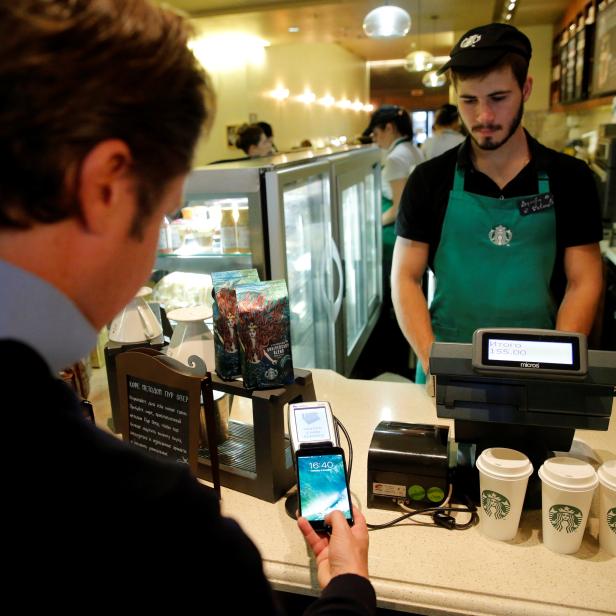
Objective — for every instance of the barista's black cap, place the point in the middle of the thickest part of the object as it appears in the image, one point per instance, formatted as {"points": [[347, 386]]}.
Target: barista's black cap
{"points": [[484, 46], [384, 114]]}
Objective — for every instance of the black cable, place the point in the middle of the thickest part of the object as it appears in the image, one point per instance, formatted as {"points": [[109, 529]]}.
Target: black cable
{"points": [[350, 446], [440, 516]]}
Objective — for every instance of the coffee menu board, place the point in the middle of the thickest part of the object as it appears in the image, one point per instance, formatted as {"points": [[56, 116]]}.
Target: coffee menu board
{"points": [[158, 418], [604, 68], [160, 403]]}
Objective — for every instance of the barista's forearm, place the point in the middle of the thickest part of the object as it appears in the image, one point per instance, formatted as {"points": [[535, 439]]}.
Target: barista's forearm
{"points": [[413, 317]]}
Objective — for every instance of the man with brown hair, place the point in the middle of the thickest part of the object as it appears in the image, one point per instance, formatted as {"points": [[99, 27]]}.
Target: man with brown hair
{"points": [[509, 227], [252, 139], [101, 105]]}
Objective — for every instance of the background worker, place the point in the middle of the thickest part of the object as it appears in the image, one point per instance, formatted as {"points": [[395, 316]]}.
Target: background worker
{"points": [[509, 227], [445, 132], [102, 103], [252, 139], [390, 128]]}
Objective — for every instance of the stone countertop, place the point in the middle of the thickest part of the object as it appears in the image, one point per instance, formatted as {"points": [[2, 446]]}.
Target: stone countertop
{"points": [[422, 569]]}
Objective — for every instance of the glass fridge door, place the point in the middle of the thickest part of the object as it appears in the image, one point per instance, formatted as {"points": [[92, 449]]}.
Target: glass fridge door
{"points": [[359, 239], [300, 244]]}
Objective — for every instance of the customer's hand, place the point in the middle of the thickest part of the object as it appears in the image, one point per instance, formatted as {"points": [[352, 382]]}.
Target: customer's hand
{"points": [[344, 551]]}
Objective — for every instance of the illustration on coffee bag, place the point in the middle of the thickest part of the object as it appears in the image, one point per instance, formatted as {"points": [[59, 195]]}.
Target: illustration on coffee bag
{"points": [[264, 334], [226, 346]]}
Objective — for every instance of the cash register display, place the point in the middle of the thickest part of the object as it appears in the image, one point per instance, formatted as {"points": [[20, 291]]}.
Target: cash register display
{"points": [[528, 351]]}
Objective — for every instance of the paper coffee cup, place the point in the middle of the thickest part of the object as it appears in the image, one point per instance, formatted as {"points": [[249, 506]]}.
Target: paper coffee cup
{"points": [[503, 477], [567, 486], [607, 507]]}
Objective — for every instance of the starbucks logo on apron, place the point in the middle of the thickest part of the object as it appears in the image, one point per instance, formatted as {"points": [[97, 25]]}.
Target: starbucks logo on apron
{"points": [[495, 505], [500, 236], [565, 518], [611, 519]]}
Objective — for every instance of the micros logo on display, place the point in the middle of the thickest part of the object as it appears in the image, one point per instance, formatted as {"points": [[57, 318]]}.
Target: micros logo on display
{"points": [[500, 236], [611, 519], [470, 41], [565, 518], [495, 505]]}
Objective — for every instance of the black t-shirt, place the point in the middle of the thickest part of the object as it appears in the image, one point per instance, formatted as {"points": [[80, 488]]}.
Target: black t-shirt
{"points": [[576, 201]]}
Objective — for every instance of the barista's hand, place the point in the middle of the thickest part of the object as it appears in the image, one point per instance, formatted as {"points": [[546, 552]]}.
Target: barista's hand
{"points": [[344, 551]]}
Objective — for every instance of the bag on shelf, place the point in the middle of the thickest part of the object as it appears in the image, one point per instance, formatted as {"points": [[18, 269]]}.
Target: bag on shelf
{"points": [[226, 350], [264, 334]]}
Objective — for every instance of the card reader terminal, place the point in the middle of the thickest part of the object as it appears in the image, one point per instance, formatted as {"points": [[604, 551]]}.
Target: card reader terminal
{"points": [[312, 424]]}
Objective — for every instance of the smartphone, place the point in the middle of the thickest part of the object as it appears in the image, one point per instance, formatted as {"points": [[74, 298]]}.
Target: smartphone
{"points": [[311, 423], [322, 485]]}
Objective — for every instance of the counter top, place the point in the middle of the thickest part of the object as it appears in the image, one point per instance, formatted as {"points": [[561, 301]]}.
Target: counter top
{"points": [[423, 569]]}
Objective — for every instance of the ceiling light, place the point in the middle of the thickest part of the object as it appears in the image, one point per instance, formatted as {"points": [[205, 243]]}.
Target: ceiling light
{"points": [[418, 61], [280, 93], [387, 22], [294, 29], [327, 100], [432, 80]]}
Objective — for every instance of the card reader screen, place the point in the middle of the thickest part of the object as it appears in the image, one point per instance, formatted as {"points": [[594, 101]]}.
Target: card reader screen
{"points": [[311, 422], [555, 352], [531, 351]]}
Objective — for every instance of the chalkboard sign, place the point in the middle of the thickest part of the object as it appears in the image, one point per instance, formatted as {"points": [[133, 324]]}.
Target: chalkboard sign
{"points": [[604, 68], [158, 418], [160, 404]]}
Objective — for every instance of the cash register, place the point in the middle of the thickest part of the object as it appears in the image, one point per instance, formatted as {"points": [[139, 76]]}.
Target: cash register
{"points": [[525, 389]]}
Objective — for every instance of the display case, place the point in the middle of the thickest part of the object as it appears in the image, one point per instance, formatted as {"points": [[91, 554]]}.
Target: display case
{"points": [[308, 217]]}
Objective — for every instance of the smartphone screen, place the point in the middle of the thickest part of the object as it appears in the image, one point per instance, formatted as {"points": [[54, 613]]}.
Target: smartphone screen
{"points": [[322, 485]]}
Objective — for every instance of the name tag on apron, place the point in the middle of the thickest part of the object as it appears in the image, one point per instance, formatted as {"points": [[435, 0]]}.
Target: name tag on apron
{"points": [[536, 204]]}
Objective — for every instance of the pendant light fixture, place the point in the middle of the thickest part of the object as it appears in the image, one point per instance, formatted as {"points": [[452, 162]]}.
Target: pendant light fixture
{"points": [[387, 21], [418, 61], [433, 80]]}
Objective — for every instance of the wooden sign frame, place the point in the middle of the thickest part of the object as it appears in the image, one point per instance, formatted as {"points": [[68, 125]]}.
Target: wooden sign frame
{"points": [[162, 382]]}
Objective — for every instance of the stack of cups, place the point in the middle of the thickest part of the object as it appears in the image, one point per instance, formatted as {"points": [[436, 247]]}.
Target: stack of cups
{"points": [[503, 477], [566, 493], [607, 507]]}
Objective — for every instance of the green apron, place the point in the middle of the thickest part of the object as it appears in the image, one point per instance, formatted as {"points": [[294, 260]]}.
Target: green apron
{"points": [[494, 264]]}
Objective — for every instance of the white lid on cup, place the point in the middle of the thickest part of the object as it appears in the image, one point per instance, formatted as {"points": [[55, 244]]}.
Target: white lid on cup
{"points": [[607, 474], [565, 473], [502, 463]]}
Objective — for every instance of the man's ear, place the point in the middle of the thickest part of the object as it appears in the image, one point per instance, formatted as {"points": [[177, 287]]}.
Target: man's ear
{"points": [[527, 89], [104, 183]]}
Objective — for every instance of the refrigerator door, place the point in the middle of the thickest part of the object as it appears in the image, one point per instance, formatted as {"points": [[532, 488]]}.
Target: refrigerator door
{"points": [[358, 233], [300, 249]]}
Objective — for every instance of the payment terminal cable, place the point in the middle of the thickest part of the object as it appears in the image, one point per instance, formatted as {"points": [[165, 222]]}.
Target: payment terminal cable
{"points": [[441, 516], [349, 445]]}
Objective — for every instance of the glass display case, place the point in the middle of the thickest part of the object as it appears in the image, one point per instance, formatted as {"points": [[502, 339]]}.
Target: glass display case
{"points": [[310, 218]]}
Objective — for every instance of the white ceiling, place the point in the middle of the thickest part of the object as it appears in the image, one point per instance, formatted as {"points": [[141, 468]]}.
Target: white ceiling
{"points": [[340, 21]]}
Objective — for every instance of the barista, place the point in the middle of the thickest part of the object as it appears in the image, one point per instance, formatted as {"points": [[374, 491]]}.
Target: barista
{"points": [[509, 227], [390, 128]]}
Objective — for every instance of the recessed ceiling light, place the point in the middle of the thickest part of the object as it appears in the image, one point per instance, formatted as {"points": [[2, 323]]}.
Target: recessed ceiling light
{"points": [[294, 29]]}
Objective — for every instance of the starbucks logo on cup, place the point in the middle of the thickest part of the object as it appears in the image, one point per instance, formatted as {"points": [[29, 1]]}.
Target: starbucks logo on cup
{"points": [[611, 519], [565, 518], [495, 505]]}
